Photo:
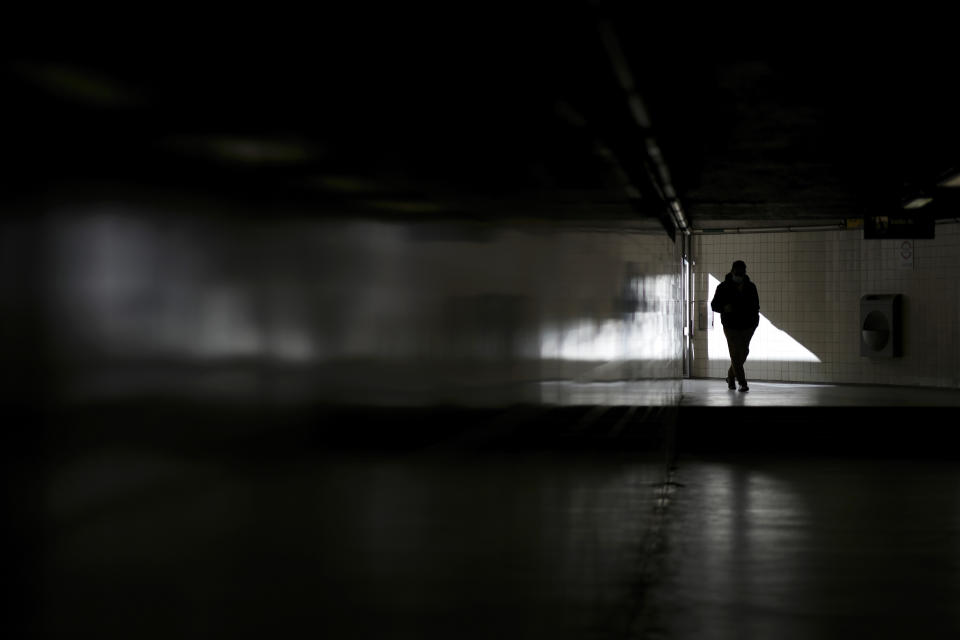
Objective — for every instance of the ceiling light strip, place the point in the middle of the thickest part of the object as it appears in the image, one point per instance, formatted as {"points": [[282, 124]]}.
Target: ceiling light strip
{"points": [[661, 175]]}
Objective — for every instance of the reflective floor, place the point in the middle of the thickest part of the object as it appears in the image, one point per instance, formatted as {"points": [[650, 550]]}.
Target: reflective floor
{"points": [[810, 549], [515, 547], [575, 520], [692, 393], [714, 393], [367, 547], [151, 542]]}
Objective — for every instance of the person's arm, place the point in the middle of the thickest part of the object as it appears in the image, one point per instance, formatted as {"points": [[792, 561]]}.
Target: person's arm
{"points": [[717, 303], [721, 300], [755, 298]]}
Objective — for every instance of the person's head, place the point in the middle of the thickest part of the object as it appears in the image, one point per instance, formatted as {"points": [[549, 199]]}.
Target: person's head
{"points": [[739, 270]]}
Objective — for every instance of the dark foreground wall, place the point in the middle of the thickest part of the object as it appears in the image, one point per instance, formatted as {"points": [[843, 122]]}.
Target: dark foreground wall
{"points": [[151, 345], [116, 299]]}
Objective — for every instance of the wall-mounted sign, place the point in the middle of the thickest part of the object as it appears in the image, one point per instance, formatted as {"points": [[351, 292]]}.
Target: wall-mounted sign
{"points": [[899, 225], [905, 254], [704, 316]]}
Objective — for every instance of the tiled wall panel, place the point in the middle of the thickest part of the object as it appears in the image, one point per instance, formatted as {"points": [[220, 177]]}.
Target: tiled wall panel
{"points": [[294, 310], [810, 285]]}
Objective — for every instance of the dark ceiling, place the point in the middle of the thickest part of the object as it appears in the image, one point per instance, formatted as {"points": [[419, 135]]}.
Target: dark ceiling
{"points": [[487, 115]]}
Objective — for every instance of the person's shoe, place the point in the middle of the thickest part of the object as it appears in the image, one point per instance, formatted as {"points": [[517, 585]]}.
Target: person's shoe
{"points": [[744, 388], [730, 384]]}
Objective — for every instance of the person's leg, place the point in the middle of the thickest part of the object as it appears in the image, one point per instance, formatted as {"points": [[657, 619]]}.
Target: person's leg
{"points": [[731, 348], [742, 340], [746, 336], [738, 353]]}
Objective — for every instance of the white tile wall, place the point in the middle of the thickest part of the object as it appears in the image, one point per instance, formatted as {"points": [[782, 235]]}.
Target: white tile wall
{"points": [[810, 284], [357, 309]]}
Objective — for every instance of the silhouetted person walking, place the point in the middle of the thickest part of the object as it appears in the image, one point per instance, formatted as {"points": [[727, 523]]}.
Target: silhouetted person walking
{"points": [[738, 303]]}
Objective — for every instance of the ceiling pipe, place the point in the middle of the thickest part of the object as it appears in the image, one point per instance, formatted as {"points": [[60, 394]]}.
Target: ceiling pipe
{"points": [[790, 228], [659, 173], [794, 228]]}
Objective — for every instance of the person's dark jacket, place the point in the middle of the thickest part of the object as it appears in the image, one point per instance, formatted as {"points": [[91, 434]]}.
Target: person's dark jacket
{"points": [[744, 303]]}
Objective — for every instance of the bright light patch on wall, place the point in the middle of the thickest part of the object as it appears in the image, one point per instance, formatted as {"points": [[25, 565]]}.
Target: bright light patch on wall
{"points": [[769, 342], [291, 344], [585, 341], [648, 335], [227, 326]]}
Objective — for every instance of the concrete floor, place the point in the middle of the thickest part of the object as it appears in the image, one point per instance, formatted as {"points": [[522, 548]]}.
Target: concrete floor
{"points": [[813, 548], [530, 546], [133, 538], [691, 392], [714, 393]]}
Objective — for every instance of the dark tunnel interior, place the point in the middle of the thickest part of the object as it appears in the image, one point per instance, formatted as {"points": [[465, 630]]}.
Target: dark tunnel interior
{"points": [[392, 323]]}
